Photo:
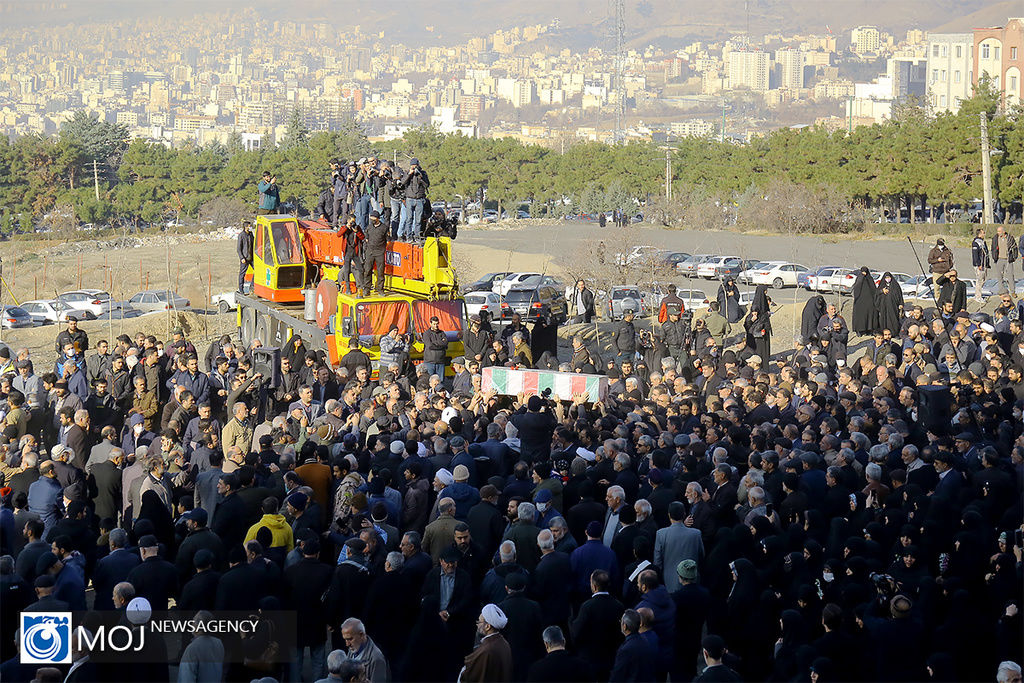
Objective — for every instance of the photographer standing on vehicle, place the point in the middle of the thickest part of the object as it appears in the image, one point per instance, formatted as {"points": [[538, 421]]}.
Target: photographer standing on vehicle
{"points": [[375, 247], [435, 348], [270, 195], [415, 185], [353, 264], [244, 249]]}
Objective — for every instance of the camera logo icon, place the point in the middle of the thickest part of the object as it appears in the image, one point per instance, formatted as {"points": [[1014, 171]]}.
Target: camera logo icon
{"points": [[46, 638]]}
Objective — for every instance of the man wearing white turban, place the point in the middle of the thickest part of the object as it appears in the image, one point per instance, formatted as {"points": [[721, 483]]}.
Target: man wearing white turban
{"points": [[492, 658]]}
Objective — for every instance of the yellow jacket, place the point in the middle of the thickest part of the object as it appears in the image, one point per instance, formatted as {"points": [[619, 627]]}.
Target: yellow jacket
{"points": [[279, 527]]}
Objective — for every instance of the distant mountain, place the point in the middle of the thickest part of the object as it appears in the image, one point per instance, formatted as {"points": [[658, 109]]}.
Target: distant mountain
{"points": [[583, 21], [995, 14]]}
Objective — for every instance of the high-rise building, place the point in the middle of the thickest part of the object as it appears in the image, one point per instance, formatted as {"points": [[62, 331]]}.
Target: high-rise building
{"points": [[999, 53], [950, 69], [866, 40], [748, 70], [791, 68]]}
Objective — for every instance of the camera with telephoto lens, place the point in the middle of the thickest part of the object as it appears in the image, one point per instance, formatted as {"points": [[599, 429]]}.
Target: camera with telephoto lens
{"points": [[885, 584]]}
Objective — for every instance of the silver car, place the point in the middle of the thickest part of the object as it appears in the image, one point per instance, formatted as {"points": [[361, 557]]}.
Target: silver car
{"points": [[158, 300], [12, 317]]}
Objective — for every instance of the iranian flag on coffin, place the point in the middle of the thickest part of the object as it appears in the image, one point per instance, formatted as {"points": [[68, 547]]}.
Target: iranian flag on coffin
{"points": [[563, 385]]}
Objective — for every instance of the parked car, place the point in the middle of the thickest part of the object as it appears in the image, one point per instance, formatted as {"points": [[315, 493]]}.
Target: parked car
{"points": [[909, 288], [733, 270], [158, 300], [638, 255], [708, 269], [924, 289], [623, 298], [804, 279], [827, 279], [512, 280], [13, 317], [94, 302], [483, 300], [533, 302], [225, 302], [693, 299], [746, 276], [779, 276], [45, 311], [670, 259], [688, 267], [486, 282], [541, 280]]}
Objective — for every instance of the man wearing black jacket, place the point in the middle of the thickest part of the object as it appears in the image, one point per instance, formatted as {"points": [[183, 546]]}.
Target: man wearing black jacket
{"points": [[435, 348], [476, 340], [244, 249], [415, 185], [980, 260], [306, 581], [625, 337], [374, 247]]}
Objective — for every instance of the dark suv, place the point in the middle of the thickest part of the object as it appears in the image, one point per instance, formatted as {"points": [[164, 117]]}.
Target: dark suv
{"points": [[533, 302]]}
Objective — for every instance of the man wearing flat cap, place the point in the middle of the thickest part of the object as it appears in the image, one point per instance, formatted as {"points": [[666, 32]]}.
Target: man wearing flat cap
{"points": [[492, 659]]}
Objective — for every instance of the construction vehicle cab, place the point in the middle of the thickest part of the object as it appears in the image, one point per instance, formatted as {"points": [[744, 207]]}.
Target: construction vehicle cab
{"points": [[279, 264], [370, 318]]}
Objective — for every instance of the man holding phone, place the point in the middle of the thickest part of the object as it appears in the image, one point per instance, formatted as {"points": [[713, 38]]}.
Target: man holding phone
{"points": [[270, 196]]}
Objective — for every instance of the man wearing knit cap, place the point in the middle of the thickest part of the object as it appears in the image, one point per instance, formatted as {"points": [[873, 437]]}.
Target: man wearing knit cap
{"points": [[492, 659], [464, 495]]}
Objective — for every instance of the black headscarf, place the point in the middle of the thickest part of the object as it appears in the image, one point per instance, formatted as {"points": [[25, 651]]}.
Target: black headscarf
{"points": [[813, 310]]}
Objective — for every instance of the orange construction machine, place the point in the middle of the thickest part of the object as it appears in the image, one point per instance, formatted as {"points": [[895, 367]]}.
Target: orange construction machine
{"points": [[296, 264]]}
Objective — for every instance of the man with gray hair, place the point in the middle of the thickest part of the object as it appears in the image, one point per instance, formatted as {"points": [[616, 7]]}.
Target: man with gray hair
{"points": [[440, 533], [363, 650], [558, 665], [615, 497], [523, 533], [1008, 671], [113, 569]]}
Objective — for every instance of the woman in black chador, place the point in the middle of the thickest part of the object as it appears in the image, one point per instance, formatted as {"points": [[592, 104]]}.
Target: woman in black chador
{"points": [[889, 304], [813, 310], [865, 315], [729, 300], [759, 326]]}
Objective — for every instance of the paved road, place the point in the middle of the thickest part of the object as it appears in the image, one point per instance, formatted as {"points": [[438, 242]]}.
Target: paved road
{"points": [[811, 251]]}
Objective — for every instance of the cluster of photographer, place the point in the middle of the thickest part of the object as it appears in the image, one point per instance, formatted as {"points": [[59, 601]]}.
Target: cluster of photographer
{"points": [[724, 513]]}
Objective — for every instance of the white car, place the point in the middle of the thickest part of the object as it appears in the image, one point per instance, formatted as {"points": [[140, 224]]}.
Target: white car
{"points": [[707, 269], [747, 276], [638, 255], [514, 280], [94, 302], [689, 266], [827, 279], [483, 301], [779, 275], [12, 317], [44, 311], [225, 302], [693, 299]]}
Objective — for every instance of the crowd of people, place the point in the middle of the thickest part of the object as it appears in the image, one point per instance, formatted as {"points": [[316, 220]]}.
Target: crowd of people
{"points": [[848, 510]]}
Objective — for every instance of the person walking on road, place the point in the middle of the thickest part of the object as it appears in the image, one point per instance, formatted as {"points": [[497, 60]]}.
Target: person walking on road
{"points": [[1004, 254], [244, 249], [980, 260]]}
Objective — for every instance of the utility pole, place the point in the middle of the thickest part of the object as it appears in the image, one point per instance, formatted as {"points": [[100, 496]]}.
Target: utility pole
{"points": [[96, 178], [668, 174], [986, 170], [620, 90]]}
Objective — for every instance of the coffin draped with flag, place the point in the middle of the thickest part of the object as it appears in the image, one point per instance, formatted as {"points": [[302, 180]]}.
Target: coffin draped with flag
{"points": [[563, 385]]}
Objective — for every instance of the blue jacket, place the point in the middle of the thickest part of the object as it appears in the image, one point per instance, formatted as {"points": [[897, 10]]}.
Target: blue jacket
{"points": [[44, 499], [70, 586], [199, 384], [465, 497], [664, 608], [634, 661], [590, 556]]}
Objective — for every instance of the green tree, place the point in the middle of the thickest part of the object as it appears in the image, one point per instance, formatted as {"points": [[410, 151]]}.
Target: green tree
{"points": [[297, 132]]}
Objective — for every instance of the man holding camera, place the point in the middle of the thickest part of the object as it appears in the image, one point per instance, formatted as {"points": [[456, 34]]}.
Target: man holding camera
{"points": [[270, 196], [353, 264], [415, 185]]}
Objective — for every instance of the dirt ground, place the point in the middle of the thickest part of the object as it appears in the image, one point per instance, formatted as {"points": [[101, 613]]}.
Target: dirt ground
{"points": [[197, 266]]}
